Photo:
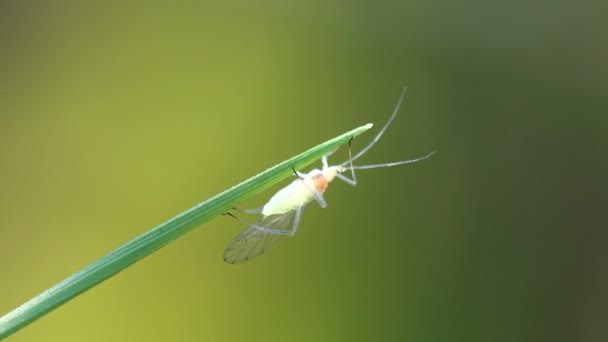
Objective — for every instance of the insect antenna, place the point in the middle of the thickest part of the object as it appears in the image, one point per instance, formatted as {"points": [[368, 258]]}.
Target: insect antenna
{"points": [[375, 166], [379, 135]]}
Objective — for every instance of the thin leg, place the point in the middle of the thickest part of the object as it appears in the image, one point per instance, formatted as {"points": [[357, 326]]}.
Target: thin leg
{"points": [[292, 231], [241, 220], [297, 174], [237, 218], [350, 157], [317, 195], [348, 181], [296, 220], [260, 228], [324, 159], [249, 211], [319, 198], [379, 135]]}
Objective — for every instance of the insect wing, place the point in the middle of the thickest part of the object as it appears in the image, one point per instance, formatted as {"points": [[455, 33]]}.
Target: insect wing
{"points": [[258, 237]]}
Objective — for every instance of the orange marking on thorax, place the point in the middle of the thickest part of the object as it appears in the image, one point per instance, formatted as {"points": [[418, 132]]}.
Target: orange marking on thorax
{"points": [[320, 182]]}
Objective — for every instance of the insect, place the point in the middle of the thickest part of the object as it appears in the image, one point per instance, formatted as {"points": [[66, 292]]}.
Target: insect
{"points": [[281, 215]]}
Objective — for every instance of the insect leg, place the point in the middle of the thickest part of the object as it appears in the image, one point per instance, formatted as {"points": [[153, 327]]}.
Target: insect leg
{"points": [[270, 230], [319, 198], [237, 218], [249, 211], [296, 220], [316, 194], [324, 158], [324, 161], [298, 174], [292, 231], [348, 181]]}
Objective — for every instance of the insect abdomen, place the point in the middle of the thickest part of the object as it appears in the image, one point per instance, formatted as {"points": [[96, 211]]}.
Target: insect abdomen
{"points": [[289, 198]]}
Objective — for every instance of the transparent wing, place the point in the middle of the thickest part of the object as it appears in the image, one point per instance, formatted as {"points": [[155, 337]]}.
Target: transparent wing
{"points": [[253, 241]]}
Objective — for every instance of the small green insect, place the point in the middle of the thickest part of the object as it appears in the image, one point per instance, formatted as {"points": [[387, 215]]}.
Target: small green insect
{"points": [[281, 215]]}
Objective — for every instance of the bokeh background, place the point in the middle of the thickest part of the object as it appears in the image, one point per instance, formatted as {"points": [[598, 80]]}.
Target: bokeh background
{"points": [[115, 116]]}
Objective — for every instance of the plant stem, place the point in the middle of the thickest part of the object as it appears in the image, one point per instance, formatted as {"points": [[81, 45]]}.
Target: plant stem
{"points": [[157, 237]]}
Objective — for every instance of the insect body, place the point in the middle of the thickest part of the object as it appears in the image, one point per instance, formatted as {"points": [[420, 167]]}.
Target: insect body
{"points": [[300, 192], [281, 215]]}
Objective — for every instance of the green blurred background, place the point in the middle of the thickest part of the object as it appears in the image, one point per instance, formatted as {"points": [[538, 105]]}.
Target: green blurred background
{"points": [[116, 116]]}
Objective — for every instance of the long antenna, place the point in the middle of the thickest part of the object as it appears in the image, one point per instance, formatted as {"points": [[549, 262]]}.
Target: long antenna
{"points": [[379, 135], [375, 166]]}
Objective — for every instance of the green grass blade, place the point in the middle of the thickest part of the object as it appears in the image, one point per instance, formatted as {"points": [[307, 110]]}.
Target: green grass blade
{"points": [[159, 236]]}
